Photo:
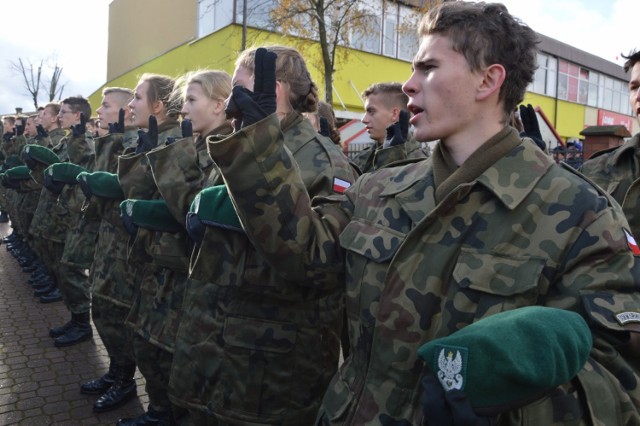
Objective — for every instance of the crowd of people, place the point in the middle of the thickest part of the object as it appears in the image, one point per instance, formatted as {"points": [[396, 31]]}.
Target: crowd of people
{"points": [[213, 229]]}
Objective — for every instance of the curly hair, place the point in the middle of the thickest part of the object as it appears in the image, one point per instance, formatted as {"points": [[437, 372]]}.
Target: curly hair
{"points": [[486, 34]]}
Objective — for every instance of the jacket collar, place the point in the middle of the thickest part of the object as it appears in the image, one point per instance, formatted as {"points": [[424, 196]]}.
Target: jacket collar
{"points": [[510, 179]]}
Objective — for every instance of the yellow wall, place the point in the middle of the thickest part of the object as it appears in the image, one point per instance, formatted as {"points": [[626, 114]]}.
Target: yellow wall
{"points": [[219, 50], [141, 30]]}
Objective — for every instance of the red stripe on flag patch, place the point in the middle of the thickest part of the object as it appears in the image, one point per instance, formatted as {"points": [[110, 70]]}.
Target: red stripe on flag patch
{"points": [[340, 185], [631, 242]]}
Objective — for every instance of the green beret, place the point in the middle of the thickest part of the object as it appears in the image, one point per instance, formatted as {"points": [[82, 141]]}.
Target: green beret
{"points": [[11, 162], [18, 173], [213, 207], [511, 358], [103, 184], [64, 172], [41, 154], [150, 214]]}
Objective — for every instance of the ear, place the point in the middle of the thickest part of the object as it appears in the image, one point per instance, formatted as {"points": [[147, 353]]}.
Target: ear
{"points": [[156, 108], [218, 107], [395, 114], [492, 79]]}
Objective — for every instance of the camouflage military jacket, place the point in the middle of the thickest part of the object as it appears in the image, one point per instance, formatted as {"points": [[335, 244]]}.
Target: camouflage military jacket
{"points": [[180, 170], [54, 219], [617, 171], [525, 232], [111, 275], [375, 156], [237, 305]]}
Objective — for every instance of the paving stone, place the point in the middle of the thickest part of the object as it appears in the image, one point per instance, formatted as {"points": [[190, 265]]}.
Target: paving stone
{"points": [[39, 383]]}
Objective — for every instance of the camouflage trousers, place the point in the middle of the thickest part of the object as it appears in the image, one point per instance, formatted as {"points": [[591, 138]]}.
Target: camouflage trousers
{"points": [[73, 279], [51, 255], [155, 365], [26, 206], [118, 339]]}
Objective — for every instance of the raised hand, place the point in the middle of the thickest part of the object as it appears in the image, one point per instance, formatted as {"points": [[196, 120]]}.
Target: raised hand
{"points": [[248, 107], [119, 126], [398, 132], [148, 140]]}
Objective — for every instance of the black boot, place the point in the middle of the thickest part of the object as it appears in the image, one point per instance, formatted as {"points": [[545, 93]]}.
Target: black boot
{"points": [[101, 384], [122, 390], [59, 331], [79, 331], [150, 418], [4, 217], [53, 296]]}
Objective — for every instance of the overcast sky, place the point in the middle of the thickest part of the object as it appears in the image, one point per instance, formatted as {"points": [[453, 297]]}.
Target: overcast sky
{"points": [[73, 34]]}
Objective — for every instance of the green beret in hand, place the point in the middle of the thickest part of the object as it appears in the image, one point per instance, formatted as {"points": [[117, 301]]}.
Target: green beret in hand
{"points": [[504, 361]]}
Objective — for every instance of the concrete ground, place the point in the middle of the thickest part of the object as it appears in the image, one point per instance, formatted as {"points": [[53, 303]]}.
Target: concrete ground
{"points": [[39, 383]]}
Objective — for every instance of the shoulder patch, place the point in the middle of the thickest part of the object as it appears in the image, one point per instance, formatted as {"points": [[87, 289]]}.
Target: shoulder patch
{"points": [[631, 242], [340, 185]]}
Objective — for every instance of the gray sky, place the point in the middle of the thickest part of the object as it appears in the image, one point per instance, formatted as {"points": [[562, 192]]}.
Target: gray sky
{"points": [[73, 34]]}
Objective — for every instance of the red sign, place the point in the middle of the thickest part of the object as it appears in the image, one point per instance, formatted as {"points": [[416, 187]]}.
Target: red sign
{"points": [[608, 118]]}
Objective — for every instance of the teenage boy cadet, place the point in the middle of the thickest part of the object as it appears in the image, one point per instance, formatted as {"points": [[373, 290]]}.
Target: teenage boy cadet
{"points": [[111, 276], [616, 169], [488, 223], [382, 104], [49, 130]]}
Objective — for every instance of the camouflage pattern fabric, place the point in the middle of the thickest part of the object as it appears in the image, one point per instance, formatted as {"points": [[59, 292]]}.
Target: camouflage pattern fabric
{"points": [[525, 232], [254, 348], [111, 276], [375, 156], [80, 238], [617, 171], [149, 311]]}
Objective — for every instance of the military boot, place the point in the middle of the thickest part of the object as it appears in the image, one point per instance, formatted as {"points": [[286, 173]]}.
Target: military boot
{"points": [[101, 384], [59, 331], [150, 418], [79, 331], [121, 391]]}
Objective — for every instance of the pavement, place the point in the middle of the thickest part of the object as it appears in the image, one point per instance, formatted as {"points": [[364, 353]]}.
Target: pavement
{"points": [[39, 383]]}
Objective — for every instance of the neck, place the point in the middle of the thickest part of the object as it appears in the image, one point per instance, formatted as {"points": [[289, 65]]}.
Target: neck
{"points": [[465, 142]]}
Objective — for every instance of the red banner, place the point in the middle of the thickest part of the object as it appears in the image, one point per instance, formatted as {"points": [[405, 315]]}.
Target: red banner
{"points": [[608, 118]]}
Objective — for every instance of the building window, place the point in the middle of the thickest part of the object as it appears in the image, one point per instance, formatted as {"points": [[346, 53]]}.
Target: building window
{"points": [[544, 80], [257, 13], [407, 34], [390, 34], [367, 36], [214, 15]]}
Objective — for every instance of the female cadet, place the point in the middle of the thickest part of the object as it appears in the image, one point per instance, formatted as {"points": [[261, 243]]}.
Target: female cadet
{"points": [[252, 347], [153, 107]]}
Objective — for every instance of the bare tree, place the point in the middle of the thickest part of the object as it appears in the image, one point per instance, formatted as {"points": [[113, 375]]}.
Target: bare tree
{"points": [[334, 23], [55, 89], [31, 77]]}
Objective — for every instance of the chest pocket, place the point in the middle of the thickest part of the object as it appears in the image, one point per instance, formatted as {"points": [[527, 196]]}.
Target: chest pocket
{"points": [[375, 243], [495, 282]]}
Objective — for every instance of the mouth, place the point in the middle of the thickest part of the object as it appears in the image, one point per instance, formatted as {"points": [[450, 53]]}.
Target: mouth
{"points": [[415, 111]]}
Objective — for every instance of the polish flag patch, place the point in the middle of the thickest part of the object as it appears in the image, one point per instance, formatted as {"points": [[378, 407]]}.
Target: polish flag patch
{"points": [[631, 242], [340, 185]]}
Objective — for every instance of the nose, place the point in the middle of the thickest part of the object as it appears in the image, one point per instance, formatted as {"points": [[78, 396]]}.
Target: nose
{"points": [[409, 88], [364, 118]]}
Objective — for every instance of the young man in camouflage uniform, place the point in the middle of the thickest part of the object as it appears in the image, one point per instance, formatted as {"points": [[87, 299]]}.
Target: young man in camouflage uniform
{"points": [[616, 169], [111, 276], [383, 103], [488, 223]]}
